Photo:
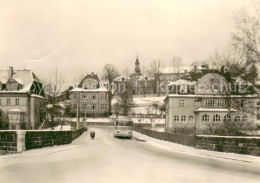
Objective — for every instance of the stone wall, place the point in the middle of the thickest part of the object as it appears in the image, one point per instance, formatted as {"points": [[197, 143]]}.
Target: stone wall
{"points": [[8, 142], [77, 133], [39, 139], [240, 145], [21, 140]]}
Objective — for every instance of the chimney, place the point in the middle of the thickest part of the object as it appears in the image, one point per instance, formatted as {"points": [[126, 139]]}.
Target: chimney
{"points": [[11, 72]]}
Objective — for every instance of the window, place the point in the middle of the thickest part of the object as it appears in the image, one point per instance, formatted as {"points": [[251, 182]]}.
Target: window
{"points": [[84, 96], [237, 118], [93, 106], [75, 96], [93, 96], [17, 101], [205, 117], [84, 106], [8, 101], [75, 106], [244, 118], [105, 106], [221, 103], [191, 118], [102, 96], [176, 118], [242, 104], [216, 117], [183, 118], [181, 102], [105, 96], [227, 117], [102, 106], [197, 102], [183, 88], [209, 102]]}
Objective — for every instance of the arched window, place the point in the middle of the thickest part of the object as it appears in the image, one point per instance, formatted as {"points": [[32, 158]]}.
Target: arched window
{"points": [[237, 118], [183, 118], [191, 118], [216, 117], [176, 118], [227, 117], [205, 117], [244, 118]]}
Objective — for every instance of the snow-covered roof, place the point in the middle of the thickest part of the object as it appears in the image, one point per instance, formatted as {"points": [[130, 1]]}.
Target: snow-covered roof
{"points": [[209, 96], [25, 77], [38, 96], [143, 77], [15, 110], [121, 78], [213, 109], [176, 70], [182, 81], [101, 89]]}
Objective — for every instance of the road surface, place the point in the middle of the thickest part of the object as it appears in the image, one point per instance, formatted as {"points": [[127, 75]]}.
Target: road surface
{"points": [[108, 159]]}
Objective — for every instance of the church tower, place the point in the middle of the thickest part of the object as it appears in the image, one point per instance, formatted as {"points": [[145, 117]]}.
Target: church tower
{"points": [[137, 66]]}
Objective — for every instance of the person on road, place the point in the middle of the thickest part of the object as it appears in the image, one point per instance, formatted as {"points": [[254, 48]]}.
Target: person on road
{"points": [[92, 134]]}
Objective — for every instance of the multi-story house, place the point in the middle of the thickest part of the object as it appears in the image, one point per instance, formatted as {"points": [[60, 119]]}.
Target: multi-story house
{"points": [[21, 99], [208, 102], [90, 98]]}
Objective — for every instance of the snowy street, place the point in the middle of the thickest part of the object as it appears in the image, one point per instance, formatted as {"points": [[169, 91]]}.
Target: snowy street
{"points": [[142, 159]]}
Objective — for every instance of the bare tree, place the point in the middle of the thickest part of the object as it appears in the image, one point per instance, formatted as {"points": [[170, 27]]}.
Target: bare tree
{"points": [[124, 102], [127, 73], [247, 35], [176, 63], [234, 67], [109, 74], [155, 70], [53, 89]]}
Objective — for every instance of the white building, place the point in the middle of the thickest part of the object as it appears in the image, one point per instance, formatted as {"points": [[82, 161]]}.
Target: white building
{"points": [[200, 104]]}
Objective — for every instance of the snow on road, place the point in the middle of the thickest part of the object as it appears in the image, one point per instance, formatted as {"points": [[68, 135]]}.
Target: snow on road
{"points": [[142, 159]]}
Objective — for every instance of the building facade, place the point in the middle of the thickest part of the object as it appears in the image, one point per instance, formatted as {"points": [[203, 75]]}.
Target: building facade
{"points": [[90, 98], [205, 104], [135, 84], [21, 100]]}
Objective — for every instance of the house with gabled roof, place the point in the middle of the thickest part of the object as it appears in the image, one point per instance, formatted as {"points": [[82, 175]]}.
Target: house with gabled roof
{"points": [[90, 98], [21, 99]]}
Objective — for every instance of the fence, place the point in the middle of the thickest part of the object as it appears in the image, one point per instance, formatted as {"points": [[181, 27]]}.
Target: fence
{"points": [[100, 123], [146, 116], [188, 140]]}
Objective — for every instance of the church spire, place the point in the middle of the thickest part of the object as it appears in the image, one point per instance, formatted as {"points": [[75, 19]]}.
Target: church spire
{"points": [[137, 65]]}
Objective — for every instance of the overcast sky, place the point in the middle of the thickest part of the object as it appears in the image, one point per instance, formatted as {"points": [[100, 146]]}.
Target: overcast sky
{"points": [[81, 37]]}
